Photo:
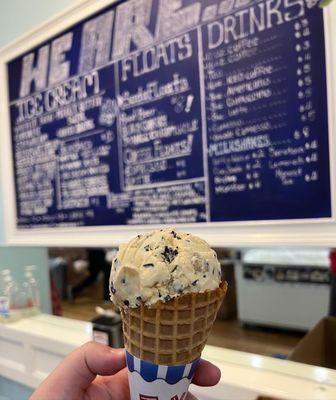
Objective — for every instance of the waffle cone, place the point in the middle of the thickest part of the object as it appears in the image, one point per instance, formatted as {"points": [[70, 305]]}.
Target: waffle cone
{"points": [[174, 332]]}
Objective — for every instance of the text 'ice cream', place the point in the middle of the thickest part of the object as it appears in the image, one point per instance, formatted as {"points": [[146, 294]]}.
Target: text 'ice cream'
{"points": [[161, 265]]}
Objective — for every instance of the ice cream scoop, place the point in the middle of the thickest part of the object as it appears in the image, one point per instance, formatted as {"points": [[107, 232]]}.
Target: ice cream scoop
{"points": [[162, 265]]}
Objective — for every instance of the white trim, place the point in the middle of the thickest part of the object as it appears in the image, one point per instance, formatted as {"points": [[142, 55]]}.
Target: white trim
{"points": [[329, 33], [137, 364], [162, 371], [187, 369], [309, 232], [244, 234]]}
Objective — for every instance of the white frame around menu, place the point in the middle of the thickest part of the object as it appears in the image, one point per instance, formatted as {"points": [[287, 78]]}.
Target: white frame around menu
{"points": [[307, 232]]}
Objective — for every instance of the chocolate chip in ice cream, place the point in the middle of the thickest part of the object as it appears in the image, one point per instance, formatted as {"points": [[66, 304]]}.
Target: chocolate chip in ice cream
{"points": [[175, 235], [139, 300], [169, 254], [116, 264]]}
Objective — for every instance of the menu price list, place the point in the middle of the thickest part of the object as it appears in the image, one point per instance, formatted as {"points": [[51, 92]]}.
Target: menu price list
{"points": [[160, 113], [267, 124], [223, 121]]}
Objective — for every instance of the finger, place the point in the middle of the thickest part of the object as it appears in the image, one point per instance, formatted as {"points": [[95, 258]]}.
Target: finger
{"points": [[207, 374], [90, 360], [117, 385], [82, 366]]}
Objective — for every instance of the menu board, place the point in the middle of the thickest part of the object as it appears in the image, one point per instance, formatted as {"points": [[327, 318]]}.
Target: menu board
{"points": [[173, 112]]}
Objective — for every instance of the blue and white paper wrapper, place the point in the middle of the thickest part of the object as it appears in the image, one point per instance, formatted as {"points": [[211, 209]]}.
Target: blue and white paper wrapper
{"points": [[149, 381]]}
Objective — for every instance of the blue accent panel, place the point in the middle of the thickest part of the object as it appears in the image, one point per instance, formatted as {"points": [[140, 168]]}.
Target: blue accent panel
{"points": [[149, 371], [11, 390], [130, 361], [175, 374], [193, 369]]}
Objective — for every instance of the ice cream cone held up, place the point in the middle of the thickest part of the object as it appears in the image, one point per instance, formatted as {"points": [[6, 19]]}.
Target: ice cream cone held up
{"points": [[168, 287]]}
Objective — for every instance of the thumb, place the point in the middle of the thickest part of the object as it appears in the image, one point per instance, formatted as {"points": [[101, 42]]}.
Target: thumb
{"points": [[75, 373]]}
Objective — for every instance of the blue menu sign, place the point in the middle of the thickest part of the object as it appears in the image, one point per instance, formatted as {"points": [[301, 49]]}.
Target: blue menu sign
{"points": [[156, 111]]}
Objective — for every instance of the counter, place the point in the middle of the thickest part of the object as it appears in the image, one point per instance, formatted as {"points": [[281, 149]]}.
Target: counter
{"points": [[32, 347]]}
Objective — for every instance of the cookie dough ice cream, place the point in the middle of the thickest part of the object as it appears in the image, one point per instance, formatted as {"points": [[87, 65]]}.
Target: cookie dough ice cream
{"points": [[162, 265]]}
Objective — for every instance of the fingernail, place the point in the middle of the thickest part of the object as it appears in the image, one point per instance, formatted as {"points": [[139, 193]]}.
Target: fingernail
{"points": [[118, 351]]}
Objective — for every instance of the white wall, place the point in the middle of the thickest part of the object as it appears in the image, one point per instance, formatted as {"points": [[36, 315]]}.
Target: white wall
{"points": [[16, 18]]}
